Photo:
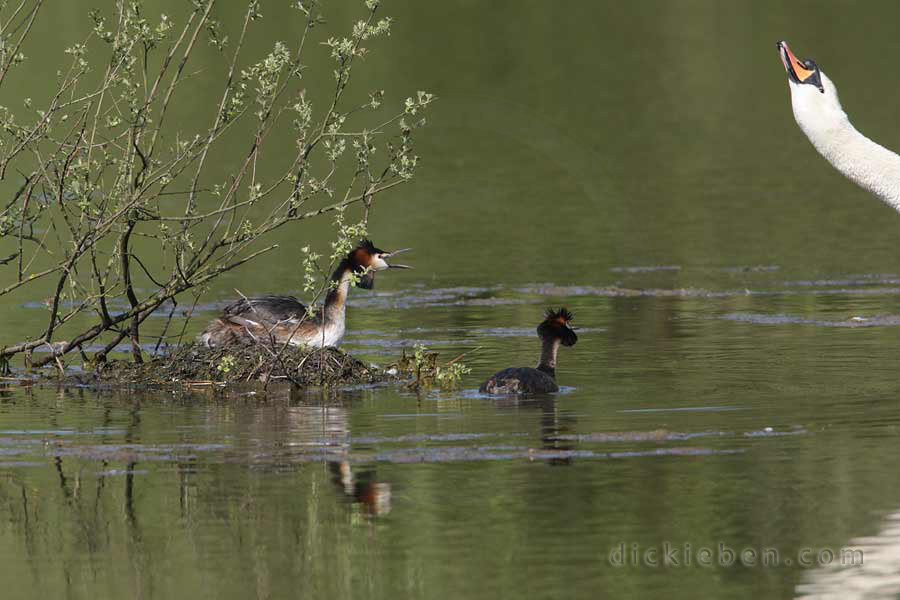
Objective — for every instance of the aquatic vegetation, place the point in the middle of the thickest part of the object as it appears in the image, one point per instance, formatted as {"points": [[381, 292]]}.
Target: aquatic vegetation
{"points": [[426, 372], [449, 375], [226, 364], [108, 178]]}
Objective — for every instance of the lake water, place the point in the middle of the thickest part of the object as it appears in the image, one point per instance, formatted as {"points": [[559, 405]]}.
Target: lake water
{"points": [[734, 387]]}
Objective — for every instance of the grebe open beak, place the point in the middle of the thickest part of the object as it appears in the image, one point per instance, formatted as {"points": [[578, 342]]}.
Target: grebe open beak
{"points": [[395, 253]]}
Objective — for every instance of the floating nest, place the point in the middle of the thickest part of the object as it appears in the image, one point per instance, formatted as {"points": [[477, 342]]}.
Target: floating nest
{"points": [[198, 364]]}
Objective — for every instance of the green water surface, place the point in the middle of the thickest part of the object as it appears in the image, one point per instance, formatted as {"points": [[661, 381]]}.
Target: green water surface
{"points": [[734, 382]]}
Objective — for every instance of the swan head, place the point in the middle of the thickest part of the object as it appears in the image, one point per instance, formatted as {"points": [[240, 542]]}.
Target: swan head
{"points": [[813, 96]]}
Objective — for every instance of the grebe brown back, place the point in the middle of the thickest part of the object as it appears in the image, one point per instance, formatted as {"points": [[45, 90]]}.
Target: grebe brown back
{"points": [[283, 319], [553, 331]]}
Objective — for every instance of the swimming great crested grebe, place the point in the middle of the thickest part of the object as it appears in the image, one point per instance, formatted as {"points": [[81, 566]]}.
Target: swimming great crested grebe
{"points": [[284, 319], [553, 331], [818, 112]]}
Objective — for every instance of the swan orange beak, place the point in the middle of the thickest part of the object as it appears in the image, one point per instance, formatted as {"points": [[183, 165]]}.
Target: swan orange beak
{"points": [[799, 72]]}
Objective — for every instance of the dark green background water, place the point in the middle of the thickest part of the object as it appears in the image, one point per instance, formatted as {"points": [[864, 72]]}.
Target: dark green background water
{"points": [[578, 148]]}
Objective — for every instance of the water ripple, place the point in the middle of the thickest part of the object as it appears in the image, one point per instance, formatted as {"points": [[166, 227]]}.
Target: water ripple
{"points": [[786, 319]]}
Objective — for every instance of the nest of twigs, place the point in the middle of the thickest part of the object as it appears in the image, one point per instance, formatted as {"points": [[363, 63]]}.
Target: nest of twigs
{"points": [[197, 364]]}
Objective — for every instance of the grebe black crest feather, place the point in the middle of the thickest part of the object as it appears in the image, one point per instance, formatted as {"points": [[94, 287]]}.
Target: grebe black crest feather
{"points": [[360, 258], [366, 244], [563, 313], [556, 326]]}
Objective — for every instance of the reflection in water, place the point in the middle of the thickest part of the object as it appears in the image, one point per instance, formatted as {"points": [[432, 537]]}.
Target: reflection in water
{"points": [[124, 494], [555, 428], [262, 496], [684, 425], [318, 429], [873, 576], [362, 487]]}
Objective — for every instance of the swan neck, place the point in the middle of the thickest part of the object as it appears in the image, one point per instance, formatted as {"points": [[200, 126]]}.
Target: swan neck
{"points": [[866, 163]]}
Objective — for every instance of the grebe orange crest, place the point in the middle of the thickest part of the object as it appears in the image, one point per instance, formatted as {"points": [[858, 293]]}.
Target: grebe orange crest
{"points": [[283, 319]]}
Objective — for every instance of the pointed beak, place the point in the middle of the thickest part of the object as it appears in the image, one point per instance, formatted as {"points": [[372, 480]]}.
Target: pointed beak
{"points": [[395, 253], [791, 64], [796, 70]]}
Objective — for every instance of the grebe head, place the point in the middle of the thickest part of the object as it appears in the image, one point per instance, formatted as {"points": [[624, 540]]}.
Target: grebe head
{"points": [[813, 96], [556, 326], [367, 259]]}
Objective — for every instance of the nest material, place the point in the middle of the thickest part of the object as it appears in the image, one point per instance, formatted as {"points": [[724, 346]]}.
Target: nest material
{"points": [[195, 363]]}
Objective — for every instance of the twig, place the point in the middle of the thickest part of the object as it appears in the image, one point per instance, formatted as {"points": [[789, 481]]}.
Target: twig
{"points": [[476, 349], [162, 335]]}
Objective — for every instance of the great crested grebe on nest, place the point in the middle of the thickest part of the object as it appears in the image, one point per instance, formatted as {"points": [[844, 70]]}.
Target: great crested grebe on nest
{"points": [[283, 319]]}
